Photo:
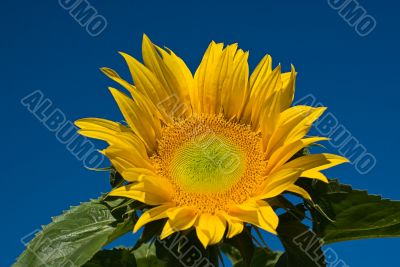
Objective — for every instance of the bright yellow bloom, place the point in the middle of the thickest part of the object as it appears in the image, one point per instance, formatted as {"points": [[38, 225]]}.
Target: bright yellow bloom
{"points": [[208, 151]]}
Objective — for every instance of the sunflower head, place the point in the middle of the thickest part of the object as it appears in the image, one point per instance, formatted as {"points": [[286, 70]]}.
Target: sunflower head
{"points": [[208, 151]]}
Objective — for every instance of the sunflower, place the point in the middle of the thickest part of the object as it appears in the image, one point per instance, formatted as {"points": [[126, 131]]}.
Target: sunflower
{"points": [[208, 151]]}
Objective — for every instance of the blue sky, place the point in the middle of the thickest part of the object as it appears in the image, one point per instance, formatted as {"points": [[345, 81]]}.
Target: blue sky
{"points": [[44, 48]]}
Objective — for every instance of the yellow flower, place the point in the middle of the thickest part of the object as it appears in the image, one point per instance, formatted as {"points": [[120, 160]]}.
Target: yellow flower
{"points": [[208, 151]]}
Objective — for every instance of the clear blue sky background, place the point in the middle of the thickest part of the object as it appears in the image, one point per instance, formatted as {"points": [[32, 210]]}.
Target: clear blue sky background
{"points": [[44, 48]]}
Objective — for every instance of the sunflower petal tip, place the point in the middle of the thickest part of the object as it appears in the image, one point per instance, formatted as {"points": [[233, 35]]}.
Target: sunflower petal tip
{"points": [[165, 233], [146, 40], [113, 90], [324, 180], [77, 123], [123, 54], [205, 244], [105, 70], [136, 228], [346, 160]]}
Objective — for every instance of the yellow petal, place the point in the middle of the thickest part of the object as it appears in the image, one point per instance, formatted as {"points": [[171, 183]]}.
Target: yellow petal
{"points": [[113, 75], [271, 84], [239, 91], [147, 191], [183, 75], [145, 81], [257, 78], [313, 174], [293, 124], [304, 126], [126, 148], [210, 229], [137, 174], [168, 69], [288, 88], [286, 152], [153, 61], [100, 124], [145, 126], [157, 213], [126, 157], [182, 79], [260, 74], [153, 58], [220, 82], [299, 191], [278, 182], [109, 131], [142, 99], [167, 230], [235, 226], [313, 163], [269, 117], [215, 98], [256, 212], [120, 164], [179, 219], [205, 81]]}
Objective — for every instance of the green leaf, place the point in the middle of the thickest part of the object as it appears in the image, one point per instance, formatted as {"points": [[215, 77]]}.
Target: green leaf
{"points": [[244, 244], [75, 236], [262, 257], [303, 247], [112, 258], [146, 256], [355, 213]]}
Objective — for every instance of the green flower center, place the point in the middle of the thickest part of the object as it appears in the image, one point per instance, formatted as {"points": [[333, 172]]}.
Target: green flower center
{"points": [[208, 163]]}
